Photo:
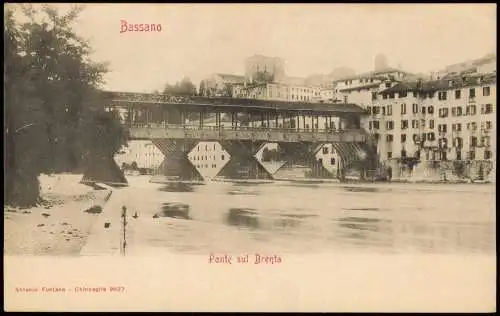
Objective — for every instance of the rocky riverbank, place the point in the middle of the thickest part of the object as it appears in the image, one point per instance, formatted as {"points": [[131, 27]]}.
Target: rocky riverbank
{"points": [[58, 226]]}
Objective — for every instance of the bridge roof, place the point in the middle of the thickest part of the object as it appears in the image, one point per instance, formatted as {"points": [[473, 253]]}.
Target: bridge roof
{"points": [[232, 103]]}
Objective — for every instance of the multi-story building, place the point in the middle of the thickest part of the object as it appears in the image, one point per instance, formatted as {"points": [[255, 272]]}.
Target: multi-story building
{"points": [[447, 119], [259, 68], [281, 92], [139, 154], [219, 85], [359, 89]]}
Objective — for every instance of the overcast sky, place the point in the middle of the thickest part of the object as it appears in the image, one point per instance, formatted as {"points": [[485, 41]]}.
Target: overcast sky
{"points": [[197, 40]]}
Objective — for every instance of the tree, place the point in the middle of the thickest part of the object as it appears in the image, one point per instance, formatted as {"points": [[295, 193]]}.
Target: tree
{"points": [[202, 91], [55, 118], [227, 91], [183, 88]]}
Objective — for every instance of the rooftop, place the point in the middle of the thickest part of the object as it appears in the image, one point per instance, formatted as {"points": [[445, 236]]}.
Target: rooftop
{"points": [[455, 82], [368, 86], [234, 103], [230, 77], [374, 74]]}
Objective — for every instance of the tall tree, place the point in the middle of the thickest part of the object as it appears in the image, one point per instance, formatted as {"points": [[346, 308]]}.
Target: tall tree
{"points": [[55, 117]]}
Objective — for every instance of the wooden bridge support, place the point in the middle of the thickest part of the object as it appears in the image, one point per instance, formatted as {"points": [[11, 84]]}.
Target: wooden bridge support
{"points": [[176, 165], [243, 164]]}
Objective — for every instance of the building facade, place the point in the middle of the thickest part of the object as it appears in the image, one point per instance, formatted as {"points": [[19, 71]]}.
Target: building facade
{"points": [[139, 154], [440, 120]]}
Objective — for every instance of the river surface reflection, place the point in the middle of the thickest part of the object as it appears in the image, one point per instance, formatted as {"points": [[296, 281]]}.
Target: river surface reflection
{"points": [[284, 217]]}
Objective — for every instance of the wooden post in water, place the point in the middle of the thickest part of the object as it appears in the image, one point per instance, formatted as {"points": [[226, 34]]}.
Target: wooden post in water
{"points": [[124, 220]]}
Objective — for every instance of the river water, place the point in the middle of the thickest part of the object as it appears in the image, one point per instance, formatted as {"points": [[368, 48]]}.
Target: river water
{"points": [[295, 218]]}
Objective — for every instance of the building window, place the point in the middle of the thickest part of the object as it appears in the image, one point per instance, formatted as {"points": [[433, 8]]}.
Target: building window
{"points": [[403, 138], [376, 125], [415, 108], [472, 93], [415, 94], [403, 94], [374, 95], [320, 160], [390, 125], [473, 141], [404, 124], [389, 138], [442, 95], [383, 110], [443, 143], [332, 161], [414, 123], [459, 111], [486, 91], [431, 95], [457, 94], [456, 127], [384, 96], [389, 155], [423, 110], [459, 155], [485, 141], [431, 124], [486, 109], [472, 155], [325, 150], [458, 142], [487, 154], [376, 110], [431, 136], [403, 108], [443, 112], [391, 95], [389, 109], [473, 110], [222, 157], [416, 138], [442, 128], [430, 109]]}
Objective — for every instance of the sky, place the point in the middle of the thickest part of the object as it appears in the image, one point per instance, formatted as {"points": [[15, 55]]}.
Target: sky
{"points": [[200, 39]]}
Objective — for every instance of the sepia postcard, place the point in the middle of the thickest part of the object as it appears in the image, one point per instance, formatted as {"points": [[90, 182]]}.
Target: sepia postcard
{"points": [[250, 157]]}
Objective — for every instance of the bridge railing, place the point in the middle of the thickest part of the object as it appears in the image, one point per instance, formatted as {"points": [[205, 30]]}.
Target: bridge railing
{"points": [[147, 131], [236, 128]]}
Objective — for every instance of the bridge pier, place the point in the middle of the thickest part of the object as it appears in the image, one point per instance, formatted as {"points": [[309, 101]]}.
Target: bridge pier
{"points": [[243, 164], [176, 165], [301, 162]]}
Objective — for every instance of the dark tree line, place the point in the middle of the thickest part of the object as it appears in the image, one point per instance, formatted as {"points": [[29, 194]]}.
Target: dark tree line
{"points": [[54, 115], [183, 88]]}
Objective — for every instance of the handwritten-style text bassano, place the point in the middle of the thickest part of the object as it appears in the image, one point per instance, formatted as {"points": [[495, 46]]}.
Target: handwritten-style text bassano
{"points": [[139, 27]]}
